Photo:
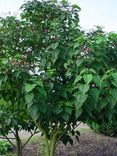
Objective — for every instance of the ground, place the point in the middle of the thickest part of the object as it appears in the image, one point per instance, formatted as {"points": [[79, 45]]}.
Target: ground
{"points": [[90, 144]]}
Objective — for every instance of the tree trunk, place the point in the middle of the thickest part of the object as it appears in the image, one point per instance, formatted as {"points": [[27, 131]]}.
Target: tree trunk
{"points": [[19, 144], [50, 147], [47, 148]]}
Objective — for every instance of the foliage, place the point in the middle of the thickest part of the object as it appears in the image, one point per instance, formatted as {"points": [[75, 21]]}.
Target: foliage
{"points": [[14, 116], [4, 147], [104, 120], [74, 69], [108, 128], [52, 75], [54, 29]]}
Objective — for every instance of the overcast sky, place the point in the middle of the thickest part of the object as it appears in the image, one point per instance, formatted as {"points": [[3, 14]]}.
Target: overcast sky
{"points": [[94, 12]]}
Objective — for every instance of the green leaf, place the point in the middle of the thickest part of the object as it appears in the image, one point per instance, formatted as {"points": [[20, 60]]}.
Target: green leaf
{"points": [[29, 87], [65, 116], [114, 75], [102, 104], [97, 80], [58, 110], [29, 97], [39, 83], [87, 78], [1, 82], [79, 62], [8, 121], [99, 40], [55, 55], [33, 111], [113, 93], [83, 88], [92, 71], [68, 104], [80, 99], [78, 78], [68, 110], [114, 83], [76, 6], [54, 45], [95, 94], [84, 71], [78, 112], [105, 77], [42, 92]]}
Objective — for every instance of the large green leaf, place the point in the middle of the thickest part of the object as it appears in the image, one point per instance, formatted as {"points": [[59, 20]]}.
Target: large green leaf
{"points": [[99, 39], [97, 80], [102, 104], [29, 87], [79, 62], [29, 97], [54, 45], [113, 93], [83, 88], [87, 78], [80, 99], [65, 116], [78, 112], [114, 82], [42, 92], [95, 94], [68, 110], [33, 111], [77, 79]]}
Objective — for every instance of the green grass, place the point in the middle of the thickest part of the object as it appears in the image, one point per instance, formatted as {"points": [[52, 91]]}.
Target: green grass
{"points": [[10, 154]]}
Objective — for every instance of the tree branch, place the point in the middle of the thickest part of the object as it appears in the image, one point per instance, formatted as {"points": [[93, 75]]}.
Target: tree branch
{"points": [[8, 139], [32, 134]]}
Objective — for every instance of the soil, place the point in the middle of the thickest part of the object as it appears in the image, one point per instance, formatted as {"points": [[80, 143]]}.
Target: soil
{"points": [[91, 144]]}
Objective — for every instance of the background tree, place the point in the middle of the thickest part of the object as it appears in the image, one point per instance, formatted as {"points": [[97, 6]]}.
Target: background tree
{"points": [[14, 116], [102, 55]]}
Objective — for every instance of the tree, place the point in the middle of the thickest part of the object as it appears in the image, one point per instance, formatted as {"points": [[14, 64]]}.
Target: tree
{"points": [[53, 99], [103, 51], [14, 116], [72, 70], [70, 75]]}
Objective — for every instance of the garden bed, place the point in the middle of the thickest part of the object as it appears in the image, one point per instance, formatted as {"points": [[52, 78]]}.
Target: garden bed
{"points": [[91, 144]]}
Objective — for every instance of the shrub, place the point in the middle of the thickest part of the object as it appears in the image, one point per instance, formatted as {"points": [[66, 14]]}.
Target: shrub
{"points": [[105, 53], [4, 147], [106, 128]]}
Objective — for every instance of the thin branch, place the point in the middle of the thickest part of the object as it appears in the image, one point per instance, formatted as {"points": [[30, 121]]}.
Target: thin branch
{"points": [[32, 134], [5, 138], [8, 139], [58, 140], [27, 141], [77, 124], [13, 133]]}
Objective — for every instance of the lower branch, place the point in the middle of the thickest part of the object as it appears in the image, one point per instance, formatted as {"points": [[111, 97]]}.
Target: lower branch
{"points": [[8, 139], [32, 134]]}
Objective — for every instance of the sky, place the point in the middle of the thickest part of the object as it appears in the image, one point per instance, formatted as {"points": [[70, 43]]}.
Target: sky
{"points": [[93, 12]]}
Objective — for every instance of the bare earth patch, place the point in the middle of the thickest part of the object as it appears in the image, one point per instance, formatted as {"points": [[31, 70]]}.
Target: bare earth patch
{"points": [[90, 144]]}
